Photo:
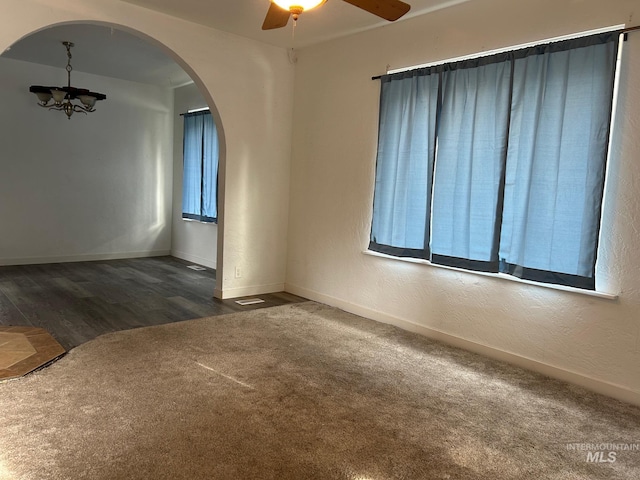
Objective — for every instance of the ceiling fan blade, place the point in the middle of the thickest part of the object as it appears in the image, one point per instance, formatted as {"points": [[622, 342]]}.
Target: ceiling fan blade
{"points": [[276, 17], [390, 10]]}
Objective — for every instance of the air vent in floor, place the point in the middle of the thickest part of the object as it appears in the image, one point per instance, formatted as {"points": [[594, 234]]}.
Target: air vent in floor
{"points": [[249, 301], [196, 267]]}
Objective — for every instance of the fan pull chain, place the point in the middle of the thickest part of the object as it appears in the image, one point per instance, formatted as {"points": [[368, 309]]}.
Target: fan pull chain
{"points": [[292, 53], [293, 31]]}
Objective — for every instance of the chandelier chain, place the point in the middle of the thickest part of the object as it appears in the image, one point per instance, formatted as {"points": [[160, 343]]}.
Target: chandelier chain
{"points": [[69, 67]]}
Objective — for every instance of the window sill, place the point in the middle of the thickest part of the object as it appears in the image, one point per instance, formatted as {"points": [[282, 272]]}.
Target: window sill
{"points": [[198, 221], [502, 276]]}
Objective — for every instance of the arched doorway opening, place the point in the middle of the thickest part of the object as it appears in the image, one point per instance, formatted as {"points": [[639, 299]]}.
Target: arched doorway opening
{"points": [[107, 185]]}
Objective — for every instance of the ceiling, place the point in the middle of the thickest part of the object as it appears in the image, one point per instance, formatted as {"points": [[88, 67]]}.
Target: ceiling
{"points": [[114, 53], [244, 17], [101, 51]]}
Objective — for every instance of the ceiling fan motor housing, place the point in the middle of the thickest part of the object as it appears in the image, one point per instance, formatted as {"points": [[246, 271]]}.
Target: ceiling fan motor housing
{"points": [[280, 10]]}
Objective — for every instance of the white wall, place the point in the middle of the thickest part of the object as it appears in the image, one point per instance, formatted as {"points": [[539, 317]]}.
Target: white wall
{"points": [[193, 241], [94, 186], [249, 86], [591, 341]]}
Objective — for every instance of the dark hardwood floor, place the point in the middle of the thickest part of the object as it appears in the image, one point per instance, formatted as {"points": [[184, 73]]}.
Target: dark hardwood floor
{"points": [[78, 301]]}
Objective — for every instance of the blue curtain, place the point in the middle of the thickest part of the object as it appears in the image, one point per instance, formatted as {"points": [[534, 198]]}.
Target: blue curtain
{"points": [[192, 165], [406, 148], [558, 142], [472, 145], [210, 169], [497, 163], [200, 168]]}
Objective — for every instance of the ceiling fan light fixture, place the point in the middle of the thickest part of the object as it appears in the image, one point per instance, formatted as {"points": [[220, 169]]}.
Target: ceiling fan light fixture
{"points": [[281, 10], [298, 6]]}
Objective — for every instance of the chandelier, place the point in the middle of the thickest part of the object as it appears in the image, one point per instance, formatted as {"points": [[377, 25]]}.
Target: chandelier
{"points": [[64, 97]]}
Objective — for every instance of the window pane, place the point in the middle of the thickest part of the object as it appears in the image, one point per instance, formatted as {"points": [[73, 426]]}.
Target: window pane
{"points": [[472, 142]]}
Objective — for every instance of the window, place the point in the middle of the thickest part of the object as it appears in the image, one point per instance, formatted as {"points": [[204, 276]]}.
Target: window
{"points": [[200, 169], [497, 164]]}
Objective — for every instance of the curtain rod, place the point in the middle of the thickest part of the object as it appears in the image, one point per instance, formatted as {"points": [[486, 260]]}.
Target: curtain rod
{"points": [[631, 29], [623, 31], [204, 110]]}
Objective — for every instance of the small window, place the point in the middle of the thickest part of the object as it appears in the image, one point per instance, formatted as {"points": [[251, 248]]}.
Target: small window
{"points": [[200, 168]]}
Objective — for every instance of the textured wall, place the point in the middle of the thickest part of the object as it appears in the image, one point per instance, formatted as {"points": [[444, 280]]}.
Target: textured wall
{"points": [[593, 341], [95, 186]]}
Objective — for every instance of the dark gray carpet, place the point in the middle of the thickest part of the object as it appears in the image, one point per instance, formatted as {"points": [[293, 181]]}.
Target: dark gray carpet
{"points": [[302, 391]]}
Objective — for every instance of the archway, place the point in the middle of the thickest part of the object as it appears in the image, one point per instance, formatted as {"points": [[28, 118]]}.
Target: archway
{"points": [[98, 143]]}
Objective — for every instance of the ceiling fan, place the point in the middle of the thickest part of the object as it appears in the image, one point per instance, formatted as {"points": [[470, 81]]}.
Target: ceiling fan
{"points": [[280, 10]]}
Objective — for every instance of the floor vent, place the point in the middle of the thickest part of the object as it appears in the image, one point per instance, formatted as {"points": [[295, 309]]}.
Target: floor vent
{"points": [[249, 301], [196, 267]]}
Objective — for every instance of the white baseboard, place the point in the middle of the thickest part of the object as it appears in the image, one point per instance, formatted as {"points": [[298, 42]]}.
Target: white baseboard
{"points": [[82, 258], [206, 262], [599, 386], [227, 293]]}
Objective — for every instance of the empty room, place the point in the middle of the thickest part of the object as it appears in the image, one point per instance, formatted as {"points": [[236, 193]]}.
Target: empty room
{"points": [[431, 207]]}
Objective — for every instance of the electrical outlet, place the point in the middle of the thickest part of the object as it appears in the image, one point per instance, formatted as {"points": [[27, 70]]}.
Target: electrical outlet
{"points": [[238, 272]]}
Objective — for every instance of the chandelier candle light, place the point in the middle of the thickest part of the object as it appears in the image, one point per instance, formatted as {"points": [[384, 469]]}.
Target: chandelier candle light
{"points": [[63, 96]]}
